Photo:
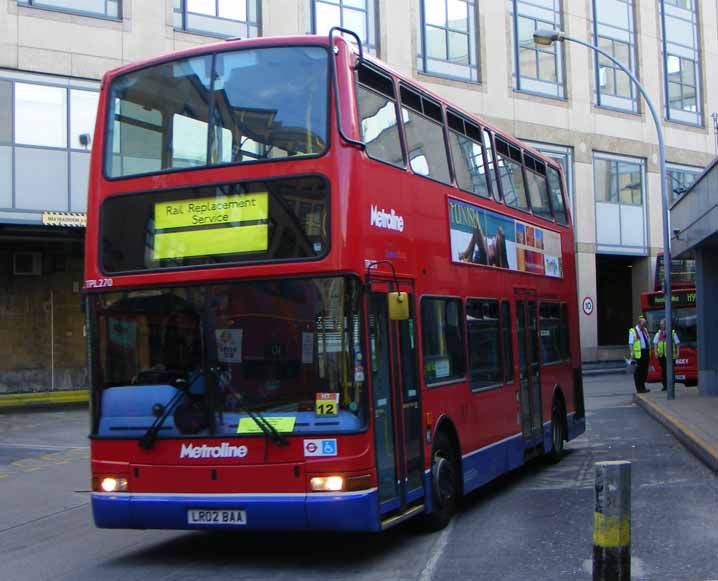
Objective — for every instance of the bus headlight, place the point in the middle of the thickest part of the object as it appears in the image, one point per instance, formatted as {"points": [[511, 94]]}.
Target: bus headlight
{"points": [[109, 484], [327, 483]]}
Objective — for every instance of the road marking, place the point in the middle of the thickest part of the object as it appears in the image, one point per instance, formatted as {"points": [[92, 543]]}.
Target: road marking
{"points": [[40, 446], [436, 553]]}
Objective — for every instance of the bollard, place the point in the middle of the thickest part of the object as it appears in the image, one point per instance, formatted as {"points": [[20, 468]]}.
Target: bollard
{"points": [[612, 522]]}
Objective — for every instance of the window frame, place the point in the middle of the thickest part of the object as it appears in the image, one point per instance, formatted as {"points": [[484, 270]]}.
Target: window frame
{"points": [[511, 144], [558, 330], [550, 216], [667, 52], [557, 47], [632, 66], [616, 159], [500, 341], [462, 336], [472, 42], [371, 44], [423, 97], [40, 5], [672, 168], [372, 69], [248, 24], [487, 169], [213, 55]]}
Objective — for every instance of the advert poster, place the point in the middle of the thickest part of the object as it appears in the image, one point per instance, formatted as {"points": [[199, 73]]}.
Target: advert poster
{"points": [[480, 236]]}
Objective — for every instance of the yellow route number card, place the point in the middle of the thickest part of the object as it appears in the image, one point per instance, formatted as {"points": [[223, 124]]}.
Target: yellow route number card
{"points": [[327, 404]]}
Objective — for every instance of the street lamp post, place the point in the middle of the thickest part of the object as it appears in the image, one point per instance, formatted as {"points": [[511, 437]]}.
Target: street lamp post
{"points": [[548, 37]]}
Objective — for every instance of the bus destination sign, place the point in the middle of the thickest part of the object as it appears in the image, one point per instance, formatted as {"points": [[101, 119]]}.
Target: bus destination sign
{"points": [[678, 297], [211, 226]]}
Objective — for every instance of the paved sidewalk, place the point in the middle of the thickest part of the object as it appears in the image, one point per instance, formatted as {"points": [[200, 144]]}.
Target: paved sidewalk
{"points": [[692, 419], [14, 401]]}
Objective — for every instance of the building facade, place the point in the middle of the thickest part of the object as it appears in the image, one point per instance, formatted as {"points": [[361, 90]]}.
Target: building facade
{"points": [[566, 101]]}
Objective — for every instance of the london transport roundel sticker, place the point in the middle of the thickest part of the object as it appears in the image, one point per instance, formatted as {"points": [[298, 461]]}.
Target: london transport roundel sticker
{"points": [[588, 305]]}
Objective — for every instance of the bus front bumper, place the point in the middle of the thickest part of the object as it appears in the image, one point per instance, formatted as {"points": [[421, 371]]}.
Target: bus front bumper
{"points": [[352, 511]]}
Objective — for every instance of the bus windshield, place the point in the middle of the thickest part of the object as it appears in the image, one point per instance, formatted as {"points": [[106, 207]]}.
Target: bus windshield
{"points": [[284, 348], [684, 324], [227, 108]]}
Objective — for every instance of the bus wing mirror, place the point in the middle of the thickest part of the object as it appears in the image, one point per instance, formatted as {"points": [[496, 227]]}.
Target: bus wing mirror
{"points": [[398, 306]]}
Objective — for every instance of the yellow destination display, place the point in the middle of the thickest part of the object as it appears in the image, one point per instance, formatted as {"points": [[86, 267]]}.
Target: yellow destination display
{"points": [[249, 426], [211, 226], [209, 211], [208, 242]]}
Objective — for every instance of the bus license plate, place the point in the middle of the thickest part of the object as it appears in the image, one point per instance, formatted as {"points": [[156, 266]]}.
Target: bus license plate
{"points": [[216, 517], [680, 377]]}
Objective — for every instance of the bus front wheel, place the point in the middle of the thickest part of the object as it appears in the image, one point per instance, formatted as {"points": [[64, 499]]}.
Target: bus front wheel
{"points": [[444, 483]]}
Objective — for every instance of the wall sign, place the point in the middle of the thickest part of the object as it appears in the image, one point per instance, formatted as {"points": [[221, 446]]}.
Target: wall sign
{"points": [[587, 306]]}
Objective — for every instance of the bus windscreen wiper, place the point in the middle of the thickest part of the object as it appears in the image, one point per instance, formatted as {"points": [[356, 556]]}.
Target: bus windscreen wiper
{"points": [[148, 439]]}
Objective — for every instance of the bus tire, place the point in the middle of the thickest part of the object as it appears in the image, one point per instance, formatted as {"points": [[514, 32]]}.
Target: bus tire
{"points": [[558, 432], [444, 483]]}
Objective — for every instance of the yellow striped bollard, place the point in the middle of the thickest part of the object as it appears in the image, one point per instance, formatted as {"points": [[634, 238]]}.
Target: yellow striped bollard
{"points": [[612, 522]]}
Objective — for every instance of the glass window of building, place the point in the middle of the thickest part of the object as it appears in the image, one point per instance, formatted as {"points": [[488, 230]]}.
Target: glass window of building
{"points": [[102, 8], [537, 69], [618, 181], [681, 61], [447, 39], [679, 178], [48, 126], [222, 18], [83, 110], [358, 16], [5, 112], [40, 115], [615, 33], [621, 218]]}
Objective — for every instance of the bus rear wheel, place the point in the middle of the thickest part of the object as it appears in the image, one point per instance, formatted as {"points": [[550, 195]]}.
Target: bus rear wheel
{"points": [[558, 432], [444, 484]]}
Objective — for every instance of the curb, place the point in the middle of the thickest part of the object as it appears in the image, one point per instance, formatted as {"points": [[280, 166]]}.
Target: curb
{"points": [[43, 399], [609, 371], [695, 444]]}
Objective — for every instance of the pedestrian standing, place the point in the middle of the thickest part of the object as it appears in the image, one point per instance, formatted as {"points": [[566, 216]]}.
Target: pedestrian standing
{"points": [[659, 344], [639, 343]]}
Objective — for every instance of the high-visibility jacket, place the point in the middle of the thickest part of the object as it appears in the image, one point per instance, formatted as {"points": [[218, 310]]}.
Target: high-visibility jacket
{"points": [[634, 339], [661, 344]]}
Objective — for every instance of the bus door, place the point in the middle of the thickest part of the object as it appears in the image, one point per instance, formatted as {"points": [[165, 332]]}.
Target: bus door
{"points": [[396, 403], [529, 372]]}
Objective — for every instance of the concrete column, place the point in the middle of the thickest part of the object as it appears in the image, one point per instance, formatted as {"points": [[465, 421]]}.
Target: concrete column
{"points": [[707, 313]]}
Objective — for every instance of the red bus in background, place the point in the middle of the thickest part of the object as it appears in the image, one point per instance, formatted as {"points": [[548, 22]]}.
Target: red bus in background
{"points": [[683, 290], [318, 296]]}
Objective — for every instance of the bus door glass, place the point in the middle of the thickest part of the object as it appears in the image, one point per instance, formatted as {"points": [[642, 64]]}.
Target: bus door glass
{"points": [[397, 410], [529, 374]]}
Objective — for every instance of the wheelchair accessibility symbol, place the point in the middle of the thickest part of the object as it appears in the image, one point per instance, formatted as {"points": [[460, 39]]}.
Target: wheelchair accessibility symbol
{"points": [[320, 447]]}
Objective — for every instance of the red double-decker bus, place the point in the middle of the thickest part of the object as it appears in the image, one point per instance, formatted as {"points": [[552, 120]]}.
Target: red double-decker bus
{"points": [[683, 295], [318, 295]]}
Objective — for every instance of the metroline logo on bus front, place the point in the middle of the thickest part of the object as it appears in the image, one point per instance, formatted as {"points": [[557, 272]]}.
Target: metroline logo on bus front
{"points": [[224, 450], [380, 218]]}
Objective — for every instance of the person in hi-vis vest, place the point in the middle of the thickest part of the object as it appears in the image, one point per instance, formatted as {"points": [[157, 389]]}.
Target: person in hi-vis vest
{"points": [[640, 345], [659, 344]]}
